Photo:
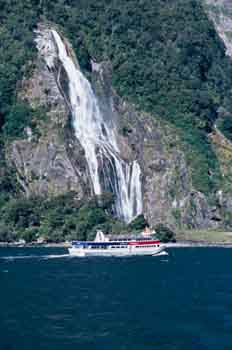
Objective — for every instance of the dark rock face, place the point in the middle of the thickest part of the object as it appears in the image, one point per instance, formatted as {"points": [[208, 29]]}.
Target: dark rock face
{"points": [[54, 162], [43, 163], [198, 213], [168, 195], [219, 11]]}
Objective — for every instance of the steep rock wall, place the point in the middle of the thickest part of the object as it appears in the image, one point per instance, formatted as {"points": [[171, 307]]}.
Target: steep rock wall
{"points": [[220, 12], [54, 161], [43, 161], [168, 194]]}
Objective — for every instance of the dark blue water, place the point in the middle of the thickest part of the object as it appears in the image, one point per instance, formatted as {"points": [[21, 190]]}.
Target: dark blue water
{"points": [[159, 303]]}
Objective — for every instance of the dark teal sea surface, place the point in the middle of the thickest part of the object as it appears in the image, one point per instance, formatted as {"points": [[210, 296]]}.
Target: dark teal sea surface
{"points": [[54, 302]]}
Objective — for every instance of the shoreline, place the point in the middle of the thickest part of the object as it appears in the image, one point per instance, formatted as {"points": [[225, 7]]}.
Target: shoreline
{"points": [[178, 244], [198, 244], [34, 245]]}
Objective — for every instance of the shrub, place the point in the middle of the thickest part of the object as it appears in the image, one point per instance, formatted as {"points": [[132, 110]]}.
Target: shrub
{"points": [[138, 224], [56, 219], [226, 127], [164, 233], [28, 234], [167, 59], [6, 233]]}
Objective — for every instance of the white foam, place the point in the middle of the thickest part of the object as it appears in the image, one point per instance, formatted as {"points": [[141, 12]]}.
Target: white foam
{"points": [[97, 136], [22, 257]]}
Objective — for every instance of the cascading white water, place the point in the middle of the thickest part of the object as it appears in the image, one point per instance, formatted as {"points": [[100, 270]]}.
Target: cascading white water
{"points": [[98, 139]]}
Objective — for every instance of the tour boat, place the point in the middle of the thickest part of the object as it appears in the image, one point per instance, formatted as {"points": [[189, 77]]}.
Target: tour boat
{"points": [[117, 246]]}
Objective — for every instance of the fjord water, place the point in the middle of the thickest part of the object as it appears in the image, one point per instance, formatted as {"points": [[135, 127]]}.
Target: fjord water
{"points": [[53, 302]]}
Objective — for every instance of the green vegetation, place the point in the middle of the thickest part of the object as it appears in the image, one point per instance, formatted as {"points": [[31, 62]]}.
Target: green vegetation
{"points": [[167, 59], [55, 219], [63, 218], [138, 224], [21, 115], [226, 127], [164, 233], [8, 181], [210, 236], [17, 50]]}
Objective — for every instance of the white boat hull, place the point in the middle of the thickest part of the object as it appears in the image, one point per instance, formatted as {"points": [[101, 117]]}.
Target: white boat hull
{"points": [[129, 251]]}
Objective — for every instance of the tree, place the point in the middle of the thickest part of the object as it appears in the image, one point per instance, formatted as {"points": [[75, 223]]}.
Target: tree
{"points": [[164, 233], [138, 224], [6, 233], [20, 116]]}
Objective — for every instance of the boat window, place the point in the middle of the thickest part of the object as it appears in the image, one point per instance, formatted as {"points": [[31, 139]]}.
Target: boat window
{"points": [[147, 246]]}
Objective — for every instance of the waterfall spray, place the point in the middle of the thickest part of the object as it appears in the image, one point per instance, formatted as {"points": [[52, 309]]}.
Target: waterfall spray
{"points": [[99, 141]]}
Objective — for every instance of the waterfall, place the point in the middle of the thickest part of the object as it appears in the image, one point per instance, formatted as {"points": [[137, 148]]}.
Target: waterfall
{"points": [[108, 171]]}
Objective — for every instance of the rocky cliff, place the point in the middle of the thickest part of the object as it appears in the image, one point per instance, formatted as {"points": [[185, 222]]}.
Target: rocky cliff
{"points": [[52, 161], [43, 161], [220, 12]]}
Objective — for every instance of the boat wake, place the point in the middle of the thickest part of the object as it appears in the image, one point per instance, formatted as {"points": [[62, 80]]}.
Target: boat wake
{"points": [[59, 256], [38, 257], [161, 253]]}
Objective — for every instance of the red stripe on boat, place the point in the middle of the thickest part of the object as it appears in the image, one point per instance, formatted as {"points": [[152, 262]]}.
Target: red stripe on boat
{"points": [[144, 242]]}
